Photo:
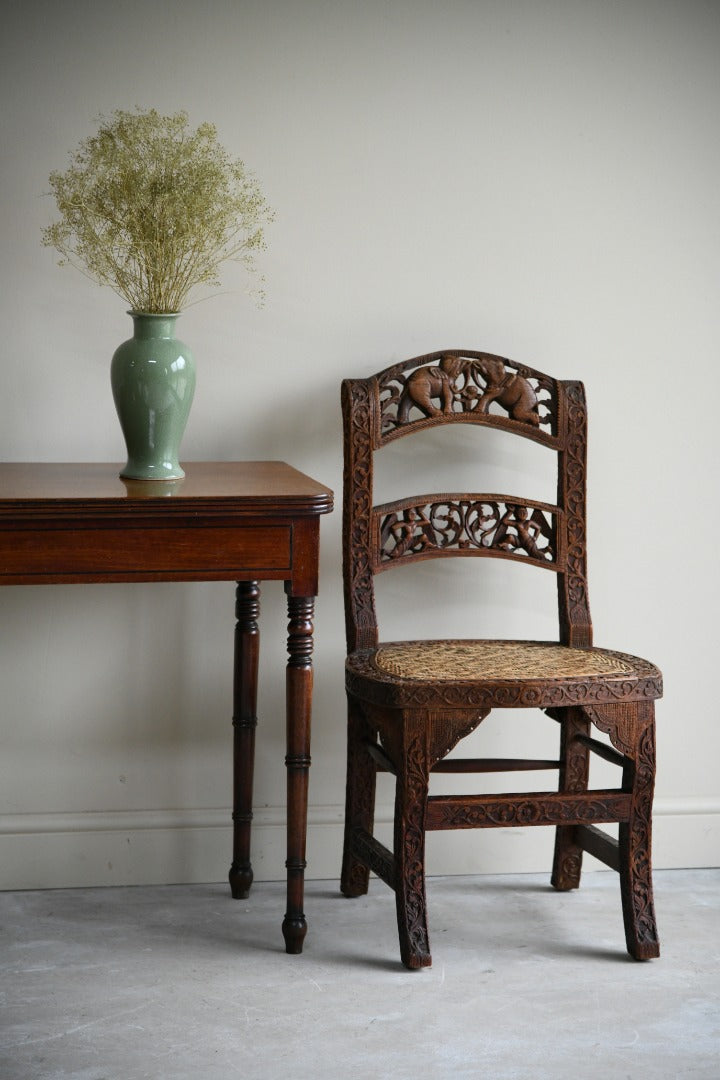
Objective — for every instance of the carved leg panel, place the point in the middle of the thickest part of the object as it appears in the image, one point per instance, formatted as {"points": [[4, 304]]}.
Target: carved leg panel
{"points": [[299, 678], [247, 648], [574, 770], [635, 841], [359, 798], [631, 728], [410, 807]]}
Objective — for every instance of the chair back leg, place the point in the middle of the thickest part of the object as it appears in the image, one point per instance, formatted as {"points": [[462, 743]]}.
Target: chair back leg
{"points": [[359, 798], [574, 773]]}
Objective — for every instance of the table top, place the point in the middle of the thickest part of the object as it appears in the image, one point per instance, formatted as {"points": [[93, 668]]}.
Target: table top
{"points": [[32, 487]]}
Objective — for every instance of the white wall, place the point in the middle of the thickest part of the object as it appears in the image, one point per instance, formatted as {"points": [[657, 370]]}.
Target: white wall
{"points": [[538, 179]]}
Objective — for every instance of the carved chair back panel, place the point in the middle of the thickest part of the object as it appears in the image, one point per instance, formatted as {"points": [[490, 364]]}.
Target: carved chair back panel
{"points": [[458, 386], [436, 525], [466, 387]]}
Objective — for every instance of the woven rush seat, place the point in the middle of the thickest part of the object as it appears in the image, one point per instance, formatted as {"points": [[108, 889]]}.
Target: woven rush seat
{"points": [[401, 671], [471, 660]]}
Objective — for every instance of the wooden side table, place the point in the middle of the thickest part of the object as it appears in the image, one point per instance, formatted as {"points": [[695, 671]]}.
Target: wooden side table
{"points": [[241, 521]]}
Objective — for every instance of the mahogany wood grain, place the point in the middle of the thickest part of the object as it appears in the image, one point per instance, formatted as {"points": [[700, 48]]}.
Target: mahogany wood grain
{"points": [[247, 656]]}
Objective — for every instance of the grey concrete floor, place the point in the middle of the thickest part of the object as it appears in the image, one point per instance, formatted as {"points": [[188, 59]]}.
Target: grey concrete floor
{"points": [[182, 982]]}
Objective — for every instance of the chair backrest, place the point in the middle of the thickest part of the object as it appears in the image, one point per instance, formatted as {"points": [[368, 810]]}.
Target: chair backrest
{"points": [[450, 387]]}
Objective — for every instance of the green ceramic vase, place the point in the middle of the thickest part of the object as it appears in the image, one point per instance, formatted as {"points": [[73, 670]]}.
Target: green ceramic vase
{"points": [[153, 382]]}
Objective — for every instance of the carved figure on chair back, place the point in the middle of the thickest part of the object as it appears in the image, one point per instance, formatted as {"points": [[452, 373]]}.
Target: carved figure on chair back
{"points": [[509, 389]]}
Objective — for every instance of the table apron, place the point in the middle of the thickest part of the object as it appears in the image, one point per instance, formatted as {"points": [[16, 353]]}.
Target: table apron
{"points": [[145, 552]]}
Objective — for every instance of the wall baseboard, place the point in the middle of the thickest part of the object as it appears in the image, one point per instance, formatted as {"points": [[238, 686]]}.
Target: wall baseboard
{"points": [[72, 850]]}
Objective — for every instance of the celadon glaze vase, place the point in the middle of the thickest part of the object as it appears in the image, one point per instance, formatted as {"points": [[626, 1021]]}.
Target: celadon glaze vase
{"points": [[153, 382]]}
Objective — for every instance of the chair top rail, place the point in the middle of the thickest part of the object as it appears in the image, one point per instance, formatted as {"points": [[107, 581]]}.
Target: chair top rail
{"points": [[464, 386]]}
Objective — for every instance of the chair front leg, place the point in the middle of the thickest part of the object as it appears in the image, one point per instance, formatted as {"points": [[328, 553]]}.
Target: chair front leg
{"points": [[631, 727], [411, 794], [635, 841]]}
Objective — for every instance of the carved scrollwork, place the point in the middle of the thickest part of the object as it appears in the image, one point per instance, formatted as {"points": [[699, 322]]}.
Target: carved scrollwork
{"points": [[405, 743], [465, 386], [500, 812], [575, 602], [635, 726], [567, 868], [639, 840], [358, 411], [410, 849], [467, 526]]}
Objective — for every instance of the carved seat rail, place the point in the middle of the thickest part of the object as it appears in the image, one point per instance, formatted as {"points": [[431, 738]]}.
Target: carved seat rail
{"points": [[526, 808]]}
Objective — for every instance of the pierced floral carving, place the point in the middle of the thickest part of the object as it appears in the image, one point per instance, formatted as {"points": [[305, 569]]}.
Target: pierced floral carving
{"points": [[460, 526], [473, 386]]}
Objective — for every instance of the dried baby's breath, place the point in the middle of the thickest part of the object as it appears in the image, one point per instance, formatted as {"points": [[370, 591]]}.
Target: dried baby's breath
{"points": [[152, 208]]}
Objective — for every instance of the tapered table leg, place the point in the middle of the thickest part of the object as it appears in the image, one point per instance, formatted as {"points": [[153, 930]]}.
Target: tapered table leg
{"points": [[299, 695], [247, 650]]}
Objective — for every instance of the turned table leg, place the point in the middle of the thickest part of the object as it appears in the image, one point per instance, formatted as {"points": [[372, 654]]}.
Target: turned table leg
{"points": [[299, 694], [247, 649]]}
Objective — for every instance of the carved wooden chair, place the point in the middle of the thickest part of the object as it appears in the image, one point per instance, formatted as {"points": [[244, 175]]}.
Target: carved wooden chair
{"points": [[410, 702]]}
